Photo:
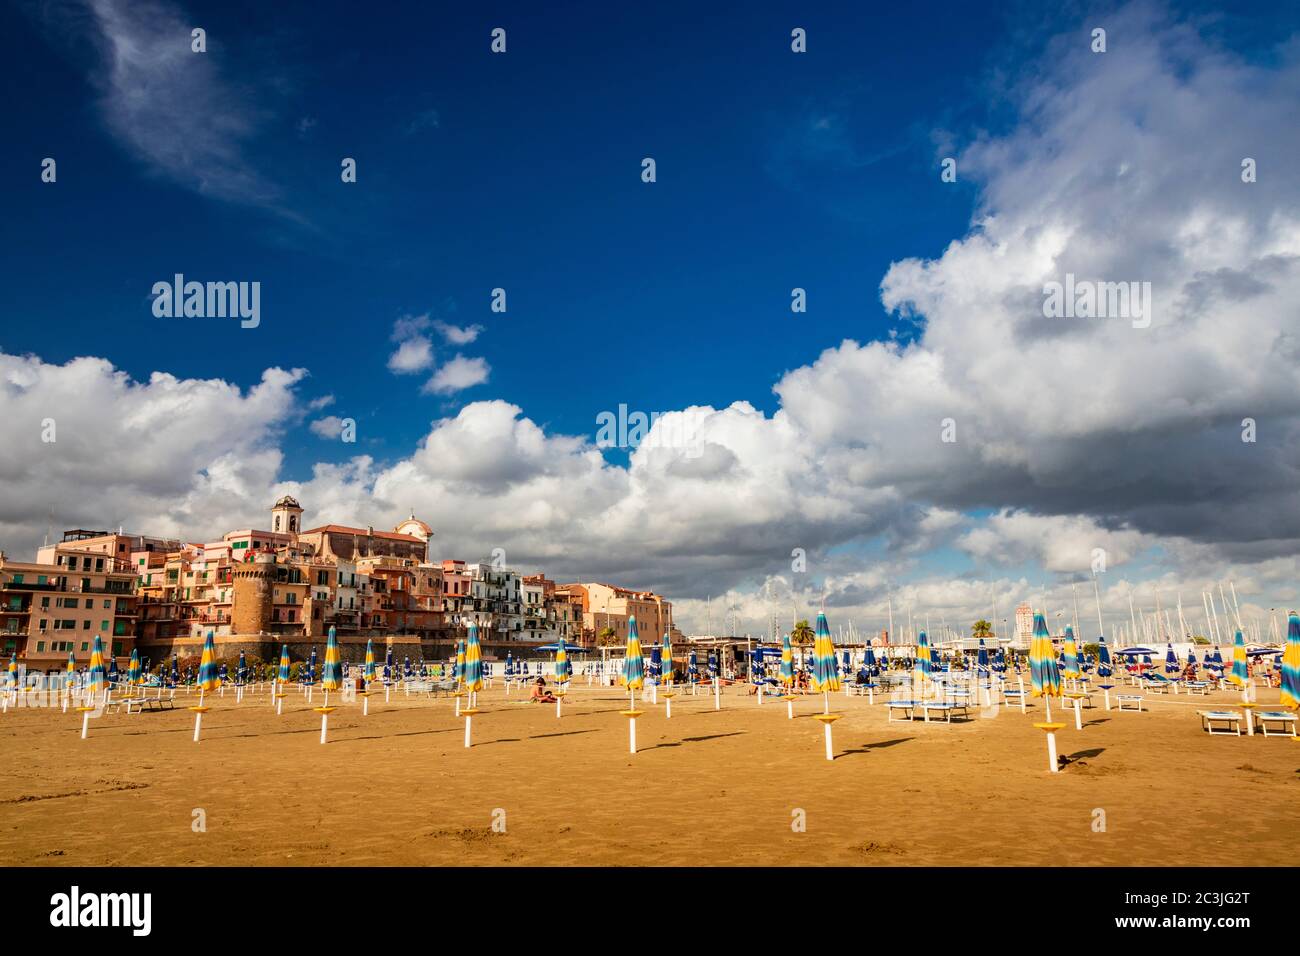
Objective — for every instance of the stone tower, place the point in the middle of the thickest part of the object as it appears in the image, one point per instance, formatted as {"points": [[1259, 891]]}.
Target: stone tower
{"points": [[252, 595], [286, 516]]}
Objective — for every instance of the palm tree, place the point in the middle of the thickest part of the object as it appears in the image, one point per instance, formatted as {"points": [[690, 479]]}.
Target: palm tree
{"points": [[802, 635], [981, 628], [608, 637]]}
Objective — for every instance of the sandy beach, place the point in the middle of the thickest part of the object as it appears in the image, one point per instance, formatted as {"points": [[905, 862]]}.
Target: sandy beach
{"points": [[719, 788]]}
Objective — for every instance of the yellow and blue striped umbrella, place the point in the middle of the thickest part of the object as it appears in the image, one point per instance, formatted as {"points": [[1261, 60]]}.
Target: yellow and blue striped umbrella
{"points": [[96, 677], [71, 672], [826, 674], [473, 661], [787, 661], [284, 663], [668, 660], [331, 670], [1291, 664], [458, 668], [1042, 661], [1240, 668], [633, 676], [923, 661], [209, 679], [13, 670], [1070, 668], [561, 662], [133, 675], [370, 661]]}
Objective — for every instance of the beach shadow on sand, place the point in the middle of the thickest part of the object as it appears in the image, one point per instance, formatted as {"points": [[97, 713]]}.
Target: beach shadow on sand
{"points": [[694, 740], [563, 733], [878, 745], [1068, 759]]}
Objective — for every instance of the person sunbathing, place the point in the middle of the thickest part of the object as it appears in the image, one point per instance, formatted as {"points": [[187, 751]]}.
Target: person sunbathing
{"points": [[540, 694]]}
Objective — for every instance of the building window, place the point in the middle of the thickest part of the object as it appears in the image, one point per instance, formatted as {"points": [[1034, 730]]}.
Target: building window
{"points": [[40, 647], [103, 625]]}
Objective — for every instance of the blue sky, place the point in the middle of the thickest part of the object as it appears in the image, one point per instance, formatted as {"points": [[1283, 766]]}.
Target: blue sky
{"points": [[522, 171], [519, 171]]}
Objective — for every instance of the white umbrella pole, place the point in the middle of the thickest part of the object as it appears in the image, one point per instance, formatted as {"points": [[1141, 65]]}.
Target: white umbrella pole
{"points": [[198, 723], [717, 695]]}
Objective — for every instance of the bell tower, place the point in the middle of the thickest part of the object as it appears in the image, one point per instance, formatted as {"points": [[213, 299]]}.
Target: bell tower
{"points": [[286, 516]]}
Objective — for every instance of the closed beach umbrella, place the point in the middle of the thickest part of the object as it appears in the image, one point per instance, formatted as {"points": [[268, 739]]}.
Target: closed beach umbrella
{"points": [[693, 668], [406, 666], [510, 665], [923, 663], [176, 671], [713, 665], [473, 661], [1042, 661], [1000, 661], [369, 671], [1171, 660], [112, 671], [869, 661], [982, 658], [1240, 669], [71, 672], [667, 659], [133, 674], [241, 669], [1103, 658], [284, 663], [562, 666], [388, 665], [96, 678], [331, 672], [846, 665], [209, 679], [656, 664], [825, 676], [458, 668], [1291, 663], [787, 661], [13, 670], [311, 667], [1071, 656], [633, 676]]}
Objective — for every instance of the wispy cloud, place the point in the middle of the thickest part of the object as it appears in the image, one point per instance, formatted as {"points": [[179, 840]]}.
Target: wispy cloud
{"points": [[457, 334], [426, 119], [169, 106], [457, 375]]}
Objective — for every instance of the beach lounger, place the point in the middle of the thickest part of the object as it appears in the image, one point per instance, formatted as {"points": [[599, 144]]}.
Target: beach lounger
{"points": [[946, 708], [1130, 702], [1230, 719], [1198, 687], [1280, 718], [908, 707]]}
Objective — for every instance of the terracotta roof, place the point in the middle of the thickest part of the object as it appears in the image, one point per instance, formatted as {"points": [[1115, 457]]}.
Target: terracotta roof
{"points": [[364, 532]]}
